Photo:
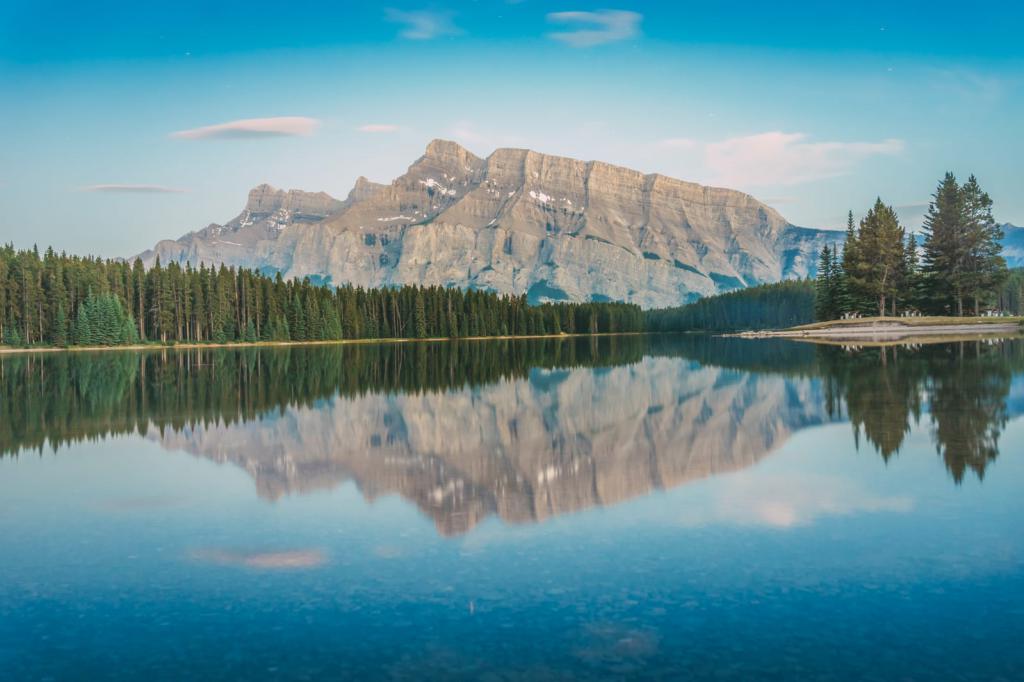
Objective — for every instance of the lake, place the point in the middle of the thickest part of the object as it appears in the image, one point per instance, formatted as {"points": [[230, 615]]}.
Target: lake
{"points": [[653, 507]]}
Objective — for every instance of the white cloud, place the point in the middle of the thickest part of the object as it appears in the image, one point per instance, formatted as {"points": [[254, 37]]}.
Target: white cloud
{"points": [[777, 158], [423, 24], [596, 28], [280, 126], [133, 189], [378, 128]]}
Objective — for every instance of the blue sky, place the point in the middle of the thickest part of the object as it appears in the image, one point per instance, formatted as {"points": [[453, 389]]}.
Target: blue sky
{"points": [[107, 107]]}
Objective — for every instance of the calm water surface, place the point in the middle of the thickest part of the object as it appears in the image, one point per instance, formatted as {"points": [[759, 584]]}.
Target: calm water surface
{"points": [[632, 507]]}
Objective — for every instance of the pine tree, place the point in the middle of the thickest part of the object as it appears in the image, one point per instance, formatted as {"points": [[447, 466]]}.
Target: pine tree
{"points": [[420, 316], [945, 254], [11, 335], [851, 282], [60, 327], [914, 292], [824, 290], [880, 242], [838, 284], [139, 298], [83, 325], [985, 268]]}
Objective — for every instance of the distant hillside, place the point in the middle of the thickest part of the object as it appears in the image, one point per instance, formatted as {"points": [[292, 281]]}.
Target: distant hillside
{"points": [[768, 306], [1013, 245]]}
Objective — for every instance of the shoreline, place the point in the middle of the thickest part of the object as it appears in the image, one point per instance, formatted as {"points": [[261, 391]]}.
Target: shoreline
{"points": [[894, 329], [5, 350]]}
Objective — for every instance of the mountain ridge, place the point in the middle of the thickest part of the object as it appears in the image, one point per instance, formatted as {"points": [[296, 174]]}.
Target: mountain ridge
{"points": [[518, 222]]}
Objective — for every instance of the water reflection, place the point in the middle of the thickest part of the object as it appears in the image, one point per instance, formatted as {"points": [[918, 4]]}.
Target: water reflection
{"points": [[520, 429], [964, 387]]}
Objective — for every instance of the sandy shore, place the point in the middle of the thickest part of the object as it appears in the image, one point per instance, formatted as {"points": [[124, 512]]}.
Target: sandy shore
{"points": [[895, 329]]}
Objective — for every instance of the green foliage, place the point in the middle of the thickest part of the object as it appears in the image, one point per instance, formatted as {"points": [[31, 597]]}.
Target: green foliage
{"points": [[829, 286], [961, 251], [875, 268], [769, 306], [11, 335], [1011, 293], [250, 332], [56, 299], [60, 327], [104, 321], [880, 271]]}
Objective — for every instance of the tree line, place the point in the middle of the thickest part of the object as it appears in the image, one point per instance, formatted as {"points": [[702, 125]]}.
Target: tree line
{"points": [[882, 270], [768, 306], [61, 300], [1011, 295]]}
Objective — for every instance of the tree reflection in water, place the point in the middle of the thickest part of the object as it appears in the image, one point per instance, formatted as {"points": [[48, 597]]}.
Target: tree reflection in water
{"points": [[963, 387], [959, 389]]}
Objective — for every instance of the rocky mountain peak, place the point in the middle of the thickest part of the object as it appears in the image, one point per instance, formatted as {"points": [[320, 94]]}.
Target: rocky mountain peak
{"points": [[448, 158], [447, 149], [518, 222], [264, 199], [363, 189]]}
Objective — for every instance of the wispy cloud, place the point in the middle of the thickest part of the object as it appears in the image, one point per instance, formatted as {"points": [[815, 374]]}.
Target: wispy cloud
{"points": [[777, 158], [133, 189], [379, 128], [982, 90], [596, 28], [250, 128], [423, 24]]}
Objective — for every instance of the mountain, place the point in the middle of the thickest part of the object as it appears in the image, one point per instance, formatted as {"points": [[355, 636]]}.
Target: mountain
{"points": [[516, 222], [1013, 245]]}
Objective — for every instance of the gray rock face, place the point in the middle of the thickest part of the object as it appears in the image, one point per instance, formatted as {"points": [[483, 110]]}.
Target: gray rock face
{"points": [[516, 222], [247, 239]]}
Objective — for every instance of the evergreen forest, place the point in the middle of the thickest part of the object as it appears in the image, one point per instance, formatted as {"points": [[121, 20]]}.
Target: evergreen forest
{"points": [[60, 300]]}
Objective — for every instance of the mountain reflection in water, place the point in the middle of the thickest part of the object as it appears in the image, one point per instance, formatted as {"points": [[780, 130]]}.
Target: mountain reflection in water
{"points": [[524, 429]]}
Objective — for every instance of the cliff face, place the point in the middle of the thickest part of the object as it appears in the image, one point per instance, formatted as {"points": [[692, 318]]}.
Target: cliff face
{"points": [[249, 238], [525, 450], [517, 222]]}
